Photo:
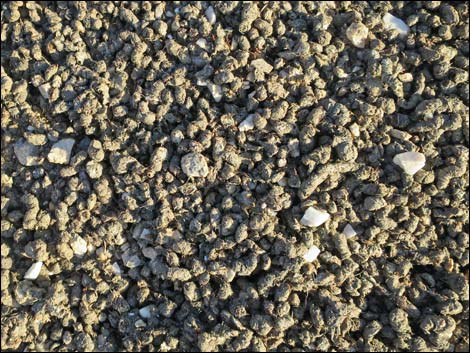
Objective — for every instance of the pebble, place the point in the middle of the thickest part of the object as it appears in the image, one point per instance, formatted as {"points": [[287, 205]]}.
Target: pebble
{"points": [[194, 165], [314, 217], [349, 231], [33, 271], [61, 151], [202, 43], [145, 312], [116, 268], [79, 245], [210, 14], [262, 65], [394, 23], [357, 33], [312, 254], [215, 90], [45, 90], [27, 154], [410, 162], [247, 124]]}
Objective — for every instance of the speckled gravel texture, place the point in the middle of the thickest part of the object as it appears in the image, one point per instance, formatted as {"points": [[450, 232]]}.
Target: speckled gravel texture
{"points": [[157, 159]]}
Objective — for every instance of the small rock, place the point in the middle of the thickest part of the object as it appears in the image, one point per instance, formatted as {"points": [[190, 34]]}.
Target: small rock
{"points": [[394, 23], [314, 218], [210, 14], [61, 151], [79, 245], [202, 43], [33, 271], [410, 162], [131, 261], [357, 33], [146, 311], [194, 165], [349, 231], [312, 254], [262, 66], [116, 268], [215, 90], [247, 124], [27, 154], [374, 203], [45, 90]]}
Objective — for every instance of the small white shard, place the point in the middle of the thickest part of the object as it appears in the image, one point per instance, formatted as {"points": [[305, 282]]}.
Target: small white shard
{"points": [[201, 82], [349, 231], [357, 33], [410, 162], [247, 124], [116, 268], [312, 254], [79, 245], [45, 90], [210, 15], [216, 91], [33, 271], [61, 151], [202, 43], [314, 218], [392, 22], [145, 312]]}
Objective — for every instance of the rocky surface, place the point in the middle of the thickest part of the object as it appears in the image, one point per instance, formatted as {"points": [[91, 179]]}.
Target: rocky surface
{"points": [[158, 159]]}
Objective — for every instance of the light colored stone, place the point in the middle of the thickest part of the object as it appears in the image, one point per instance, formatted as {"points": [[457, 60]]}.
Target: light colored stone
{"points": [[116, 269], [78, 245], [394, 23], [262, 65], [410, 162], [202, 43], [349, 231], [312, 254], [357, 33], [247, 124], [216, 91], [194, 165], [61, 151], [314, 217], [45, 90], [27, 154], [33, 271], [210, 15]]}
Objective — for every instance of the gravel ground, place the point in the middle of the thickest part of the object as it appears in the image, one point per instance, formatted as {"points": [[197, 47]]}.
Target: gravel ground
{"points": [[234, 176]]}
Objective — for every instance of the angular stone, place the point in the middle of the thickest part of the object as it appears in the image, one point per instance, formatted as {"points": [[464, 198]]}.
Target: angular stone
{"points": [[27, 154], [33, 271], [357, 33], [194, 165], [410, 162], [314, 218], [61, 151], [394, 23], [312, 254]]}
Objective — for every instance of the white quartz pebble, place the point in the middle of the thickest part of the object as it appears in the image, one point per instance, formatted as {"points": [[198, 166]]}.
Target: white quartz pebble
{"points": [[314, 218], [410, 162], [210, 15], [247, 124], [312, 254], [392, 22], [79, 245], [33, 271], [216, 91], [357, 33], [349, 231]]}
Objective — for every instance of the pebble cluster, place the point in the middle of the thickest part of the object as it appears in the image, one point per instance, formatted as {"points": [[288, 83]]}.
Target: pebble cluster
{"points": [[234, 176]]}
